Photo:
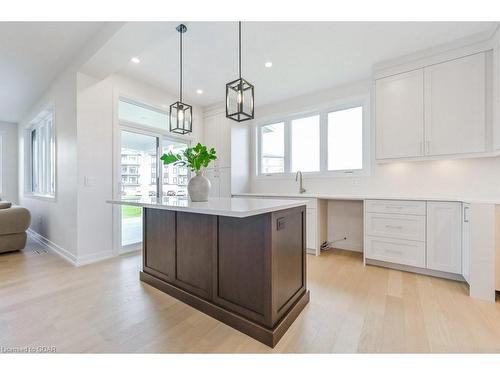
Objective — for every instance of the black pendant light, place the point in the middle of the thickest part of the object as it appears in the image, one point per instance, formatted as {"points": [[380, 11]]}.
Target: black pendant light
{"points": [[239, 94], [181, 114]]}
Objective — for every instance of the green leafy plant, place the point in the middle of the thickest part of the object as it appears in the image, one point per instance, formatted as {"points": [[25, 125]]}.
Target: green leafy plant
{"points": [[195, 158]]}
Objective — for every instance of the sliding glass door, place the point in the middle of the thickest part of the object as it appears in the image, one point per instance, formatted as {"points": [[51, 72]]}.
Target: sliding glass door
{"points": [[138, 165], [143, 176], [144, 137]]}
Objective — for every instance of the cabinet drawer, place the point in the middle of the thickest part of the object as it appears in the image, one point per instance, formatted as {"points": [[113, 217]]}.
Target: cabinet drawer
{"points": [[411, 253], [395, 207], [407, 227]]}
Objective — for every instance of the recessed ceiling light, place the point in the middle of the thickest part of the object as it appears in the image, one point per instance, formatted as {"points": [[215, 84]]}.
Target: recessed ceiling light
{"points": [[199, 91], [268, 64], [135, 60], [164, 106]]}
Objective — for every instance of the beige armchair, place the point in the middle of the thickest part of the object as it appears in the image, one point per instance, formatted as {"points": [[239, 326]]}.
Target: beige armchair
{"points": [[14, 221]]}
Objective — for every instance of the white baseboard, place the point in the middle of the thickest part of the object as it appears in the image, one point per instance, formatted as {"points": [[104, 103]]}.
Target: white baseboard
{"points": [[94, 257], [350, 246], [52, 246], [74, 260]]}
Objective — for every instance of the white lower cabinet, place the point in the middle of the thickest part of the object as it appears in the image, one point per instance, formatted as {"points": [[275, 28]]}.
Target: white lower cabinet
{"points": [[406, 227], [466, 241], [410, 253], [429, 235], [444, 236], [311, 231]]}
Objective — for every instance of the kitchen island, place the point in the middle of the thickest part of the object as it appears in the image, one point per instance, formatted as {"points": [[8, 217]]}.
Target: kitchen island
{"points": [[239, 260]]}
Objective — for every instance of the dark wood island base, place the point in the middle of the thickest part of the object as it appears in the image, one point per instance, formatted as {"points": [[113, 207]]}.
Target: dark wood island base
{"points": [[267, 336], [249, 272]]}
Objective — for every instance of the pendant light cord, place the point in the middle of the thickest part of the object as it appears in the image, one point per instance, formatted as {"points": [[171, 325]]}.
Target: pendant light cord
{"points": [[180, 89], [239, 46]]}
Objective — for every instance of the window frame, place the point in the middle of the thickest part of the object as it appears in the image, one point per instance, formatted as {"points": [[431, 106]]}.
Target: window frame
{"points": [[359, 101], [48, 192]]}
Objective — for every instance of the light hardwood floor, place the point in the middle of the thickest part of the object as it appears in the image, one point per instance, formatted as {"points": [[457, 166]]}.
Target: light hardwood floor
{"points": [[105, 308]]}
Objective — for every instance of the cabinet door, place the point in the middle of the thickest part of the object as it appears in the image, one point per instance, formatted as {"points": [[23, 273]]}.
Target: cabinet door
{"points": [[225, 182], [210, 132], [466, 241], [444, 236], [194, 253], [158, 250], [224, 141], [213, 176], [400, 115], [455, 106], [217, 134], [311, 231]]}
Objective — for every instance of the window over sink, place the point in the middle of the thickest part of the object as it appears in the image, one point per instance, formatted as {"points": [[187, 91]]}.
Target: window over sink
{"points": [[331, 142]]}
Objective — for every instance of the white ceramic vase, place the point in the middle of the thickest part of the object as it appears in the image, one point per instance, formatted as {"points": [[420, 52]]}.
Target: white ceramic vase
{"points": [[199, 187]]}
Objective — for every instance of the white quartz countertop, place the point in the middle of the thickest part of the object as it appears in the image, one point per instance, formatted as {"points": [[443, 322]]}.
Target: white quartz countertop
{"points": [[233, 207], [364, 197]]}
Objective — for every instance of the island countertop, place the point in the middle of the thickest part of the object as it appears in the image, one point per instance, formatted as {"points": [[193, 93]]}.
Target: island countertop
{"points": [[232, 207]]}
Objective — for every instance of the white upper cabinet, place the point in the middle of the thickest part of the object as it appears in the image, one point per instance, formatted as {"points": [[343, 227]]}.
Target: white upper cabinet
{"points": [[400, 115], [438, 110], [444, 236], [455, 103], [217, 134]]}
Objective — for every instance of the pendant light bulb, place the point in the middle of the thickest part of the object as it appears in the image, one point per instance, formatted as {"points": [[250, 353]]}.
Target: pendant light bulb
{"points": [[240, 96], [180, 115]]}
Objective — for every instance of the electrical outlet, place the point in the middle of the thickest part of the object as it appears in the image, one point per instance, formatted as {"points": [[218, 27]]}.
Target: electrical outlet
{"points": [[355, 181]]}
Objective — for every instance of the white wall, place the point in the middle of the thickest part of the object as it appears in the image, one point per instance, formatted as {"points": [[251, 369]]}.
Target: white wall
{"points": [[55, 219], [345, 220], [97, 132], [95, 145], [8, 160]]}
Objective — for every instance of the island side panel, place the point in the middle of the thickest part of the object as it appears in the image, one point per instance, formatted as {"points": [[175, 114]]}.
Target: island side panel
{"points": [[242, 267], [196, 243], [288, 259], [159, 243]]}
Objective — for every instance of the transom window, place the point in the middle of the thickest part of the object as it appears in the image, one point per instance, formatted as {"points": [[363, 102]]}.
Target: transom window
{"points": [[329, 142]]}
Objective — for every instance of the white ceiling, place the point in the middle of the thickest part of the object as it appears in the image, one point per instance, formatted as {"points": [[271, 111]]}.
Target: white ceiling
{"points": [[306, 56], [32, 54]]}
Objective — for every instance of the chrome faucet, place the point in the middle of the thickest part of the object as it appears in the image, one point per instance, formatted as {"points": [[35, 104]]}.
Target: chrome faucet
{"points": [[297, 176]]}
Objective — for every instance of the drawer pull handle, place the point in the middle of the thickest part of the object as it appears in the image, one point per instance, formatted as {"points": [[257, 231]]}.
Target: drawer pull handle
{"points": [[390, 251], [393, 226], [394, 207]]}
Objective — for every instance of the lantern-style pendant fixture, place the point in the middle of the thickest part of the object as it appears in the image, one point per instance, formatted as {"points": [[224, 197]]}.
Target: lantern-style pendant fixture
{"points": [[181, 114], [239, 94]]}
